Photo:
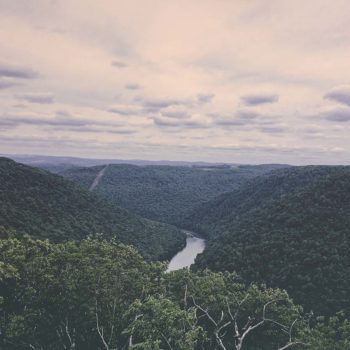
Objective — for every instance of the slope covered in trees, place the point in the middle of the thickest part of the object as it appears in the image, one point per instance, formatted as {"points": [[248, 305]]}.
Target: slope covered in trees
{"points": [[95, 294], [212, 217], [164, 193], [44, 205], [290, 229]]}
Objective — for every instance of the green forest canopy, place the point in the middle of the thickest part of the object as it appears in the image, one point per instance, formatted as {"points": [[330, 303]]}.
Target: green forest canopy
{"points": [[45, 205], [164, 193], [96, 294], [290, 229]]}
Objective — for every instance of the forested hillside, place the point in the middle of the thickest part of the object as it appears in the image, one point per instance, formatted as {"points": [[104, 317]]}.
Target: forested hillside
{"points": [[164, 193], [290, 229], [44, 205], [94, 295], [212, 217]]}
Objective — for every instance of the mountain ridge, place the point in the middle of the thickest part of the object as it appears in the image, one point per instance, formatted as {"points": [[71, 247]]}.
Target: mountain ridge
{"points": [[297, 238], [46, 205], [163, 193]]}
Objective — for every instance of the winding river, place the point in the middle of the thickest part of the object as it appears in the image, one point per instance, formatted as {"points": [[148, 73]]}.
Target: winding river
{"points": [[186, 257]]}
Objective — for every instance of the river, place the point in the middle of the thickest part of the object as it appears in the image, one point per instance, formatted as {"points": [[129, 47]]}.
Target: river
{"points": [[186, 257]]}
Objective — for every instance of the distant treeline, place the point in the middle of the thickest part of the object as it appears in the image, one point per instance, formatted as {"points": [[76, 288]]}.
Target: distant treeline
{"points": [[164, 193]]}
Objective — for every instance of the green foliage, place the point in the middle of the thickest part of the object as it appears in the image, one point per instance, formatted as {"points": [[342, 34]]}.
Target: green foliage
{"points": [[221, 295], [44, 205], [331, 334], [62, 294], [290, 230], [215, 216], [164, 193], [160, 323], [94, 294]]}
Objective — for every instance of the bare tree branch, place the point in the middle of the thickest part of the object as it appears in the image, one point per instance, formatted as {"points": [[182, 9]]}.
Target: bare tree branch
{"points": [[185, 297], [132, 330], [166, 340], [292, 344], [218, 327], [100, 329]]}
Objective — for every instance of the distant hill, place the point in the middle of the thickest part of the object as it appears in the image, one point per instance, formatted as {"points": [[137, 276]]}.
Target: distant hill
{"points": [[215, 216], [290, 228], [51, 161], [164, 193], [45, 205]]}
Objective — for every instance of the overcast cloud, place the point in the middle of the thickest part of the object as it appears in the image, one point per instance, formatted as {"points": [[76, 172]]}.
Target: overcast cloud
{"points": [[339, 94], [259, 99], [236, 81]]}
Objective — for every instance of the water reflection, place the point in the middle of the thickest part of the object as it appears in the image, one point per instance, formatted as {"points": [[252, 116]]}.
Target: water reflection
{"points": [[186, 257]]}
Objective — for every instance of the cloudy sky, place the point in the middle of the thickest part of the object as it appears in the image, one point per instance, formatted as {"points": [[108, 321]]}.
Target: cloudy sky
{"points": [[249, 81]]}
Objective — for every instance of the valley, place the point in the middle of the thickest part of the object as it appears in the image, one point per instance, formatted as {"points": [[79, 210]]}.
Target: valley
{"points": [[174, 175], [46, 206], [197, 241], [164, 193]]}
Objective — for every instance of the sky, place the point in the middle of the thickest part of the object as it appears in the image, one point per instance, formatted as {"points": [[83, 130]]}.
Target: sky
{"points": [[240, 81]]}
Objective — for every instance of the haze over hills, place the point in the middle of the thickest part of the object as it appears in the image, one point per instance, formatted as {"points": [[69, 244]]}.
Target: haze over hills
{"points": [[288, 229], [52, 161], [164, 193], [45, 205]]}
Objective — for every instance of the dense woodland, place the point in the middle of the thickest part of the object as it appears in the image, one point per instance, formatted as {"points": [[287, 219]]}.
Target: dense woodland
{"points": [[79, 272], [44, 205], [164, 193], [102, 295], [289, 229]]}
